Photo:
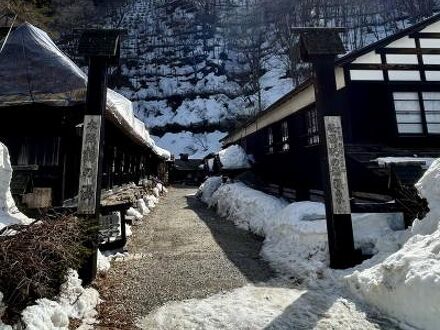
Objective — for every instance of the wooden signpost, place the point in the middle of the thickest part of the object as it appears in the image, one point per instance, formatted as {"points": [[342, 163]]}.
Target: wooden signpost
{"points": [[101, 48], [320, 46]]}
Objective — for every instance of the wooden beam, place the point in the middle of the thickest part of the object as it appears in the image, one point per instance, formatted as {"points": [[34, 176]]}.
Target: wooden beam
{"points": [[376, 208], [388, 66], [425, 35], [410, 51]]}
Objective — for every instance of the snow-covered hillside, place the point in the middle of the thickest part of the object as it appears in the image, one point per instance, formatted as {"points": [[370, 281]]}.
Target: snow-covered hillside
{"points": [[196, 68]]}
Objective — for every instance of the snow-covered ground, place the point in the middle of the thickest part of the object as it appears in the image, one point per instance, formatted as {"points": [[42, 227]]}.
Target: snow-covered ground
{"points": [[397, 288], [74, 301], [270, 305]]}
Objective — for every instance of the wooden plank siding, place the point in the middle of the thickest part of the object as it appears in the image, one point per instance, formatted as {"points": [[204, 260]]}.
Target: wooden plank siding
{"points": [[49, 138]]}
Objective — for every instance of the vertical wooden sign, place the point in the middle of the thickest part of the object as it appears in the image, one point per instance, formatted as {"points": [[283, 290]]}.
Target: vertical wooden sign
{"points": [[336, 165], [320, 46], [88, 184]]}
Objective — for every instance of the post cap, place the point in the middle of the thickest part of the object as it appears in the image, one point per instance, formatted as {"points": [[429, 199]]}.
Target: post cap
{"points": [[317, 43], [100, 43]]}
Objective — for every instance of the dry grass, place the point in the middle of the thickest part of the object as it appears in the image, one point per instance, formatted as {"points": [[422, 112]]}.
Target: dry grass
{"points": [[34, 261]]}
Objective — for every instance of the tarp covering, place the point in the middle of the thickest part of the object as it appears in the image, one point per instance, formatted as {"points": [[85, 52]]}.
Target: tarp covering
{"points": [[34, 70]]}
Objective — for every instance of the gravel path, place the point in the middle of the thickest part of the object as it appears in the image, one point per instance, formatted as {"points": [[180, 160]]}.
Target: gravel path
{"points": [[182, 250]]}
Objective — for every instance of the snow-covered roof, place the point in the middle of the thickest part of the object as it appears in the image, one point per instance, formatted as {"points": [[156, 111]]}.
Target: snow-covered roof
{"points": [[37, 71]]}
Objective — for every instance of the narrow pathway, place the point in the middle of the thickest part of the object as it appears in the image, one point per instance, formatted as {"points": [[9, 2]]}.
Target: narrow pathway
{"points": [[182, 250]]}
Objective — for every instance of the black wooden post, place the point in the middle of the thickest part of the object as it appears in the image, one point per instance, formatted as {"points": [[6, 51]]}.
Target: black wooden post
{"points": [[320, 47], [101, 47]]}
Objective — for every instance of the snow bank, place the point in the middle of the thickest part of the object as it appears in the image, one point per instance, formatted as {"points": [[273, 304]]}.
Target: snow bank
{"points": [[135, 213], [234, 157], [74, 301], [296, 234], [296, 243], [207, 189], [429, 188], [151, 201], [248, 208], [128, 231], [9, 213], [406, 284], [387, 161], [103, 263], [142, 207]]}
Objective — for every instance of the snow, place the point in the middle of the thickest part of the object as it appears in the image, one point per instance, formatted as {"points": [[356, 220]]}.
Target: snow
{"points": [[117, 255], [248, 208], [296, 242], [211, 164], [296, 234], [135, 213], [273, 87], [128, 231], [199, 111], [265, 306], [387, 161], [296, 247], [74, 301], [142, 207], [151, 201], [160, 187], [406, 284], [208, 188], [196, 145], [103, 263], [234, 157], [9, 213]]}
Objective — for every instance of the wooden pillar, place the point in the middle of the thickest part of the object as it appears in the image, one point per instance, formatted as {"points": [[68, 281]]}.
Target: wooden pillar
{"points": [[101, 47], [92, 151], [333, 167]]}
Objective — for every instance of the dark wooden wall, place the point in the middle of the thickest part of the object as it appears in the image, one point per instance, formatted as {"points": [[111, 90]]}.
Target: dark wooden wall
{"points": [[49, 137], [369, 125]]}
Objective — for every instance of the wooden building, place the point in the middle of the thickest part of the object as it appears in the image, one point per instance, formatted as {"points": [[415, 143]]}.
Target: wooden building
{"points": [[186, 170], [42, 106], [388, 95]]}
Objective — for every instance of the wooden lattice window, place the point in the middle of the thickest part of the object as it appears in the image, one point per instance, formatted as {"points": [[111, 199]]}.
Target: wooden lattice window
{"points": [[312, 127], [285, 136], [431, 103], [270, 140], [408, 112]]}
